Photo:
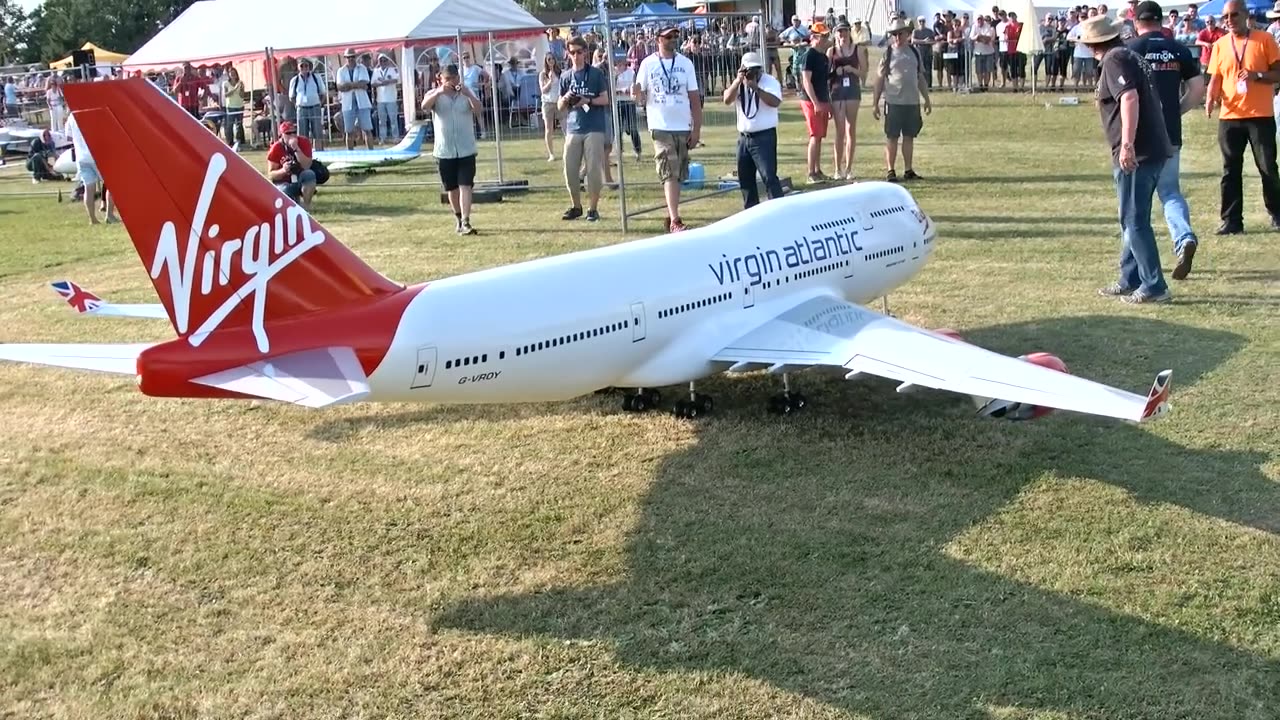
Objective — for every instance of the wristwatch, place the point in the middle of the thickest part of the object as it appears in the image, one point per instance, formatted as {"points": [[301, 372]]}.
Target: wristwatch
{"points": [[1257, 76]]}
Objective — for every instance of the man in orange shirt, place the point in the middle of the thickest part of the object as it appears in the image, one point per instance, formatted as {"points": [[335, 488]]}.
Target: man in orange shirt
{"points": [[1244, 68]]}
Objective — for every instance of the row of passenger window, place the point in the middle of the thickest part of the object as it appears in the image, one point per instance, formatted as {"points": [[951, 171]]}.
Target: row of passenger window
{"points": [[811, 272], [686, 307], [886, 253], [534, 347], [572, 337]]}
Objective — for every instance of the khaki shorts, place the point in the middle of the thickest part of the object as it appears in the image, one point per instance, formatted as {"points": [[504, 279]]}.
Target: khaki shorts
{"points": [[671, 151]]}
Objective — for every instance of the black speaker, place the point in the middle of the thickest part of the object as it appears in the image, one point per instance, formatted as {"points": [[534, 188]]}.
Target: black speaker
{"points": [[83, 58]]}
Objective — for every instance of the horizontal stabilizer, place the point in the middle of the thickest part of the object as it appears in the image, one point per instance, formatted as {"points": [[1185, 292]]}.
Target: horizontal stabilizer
{"points": [[87, 303], [311, 378], [121, 359]]}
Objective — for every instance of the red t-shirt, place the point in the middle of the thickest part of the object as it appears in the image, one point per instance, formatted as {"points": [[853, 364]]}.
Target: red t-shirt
{"points": [[1211, 37], [278, 152], [188, 90], [1012, 32]]}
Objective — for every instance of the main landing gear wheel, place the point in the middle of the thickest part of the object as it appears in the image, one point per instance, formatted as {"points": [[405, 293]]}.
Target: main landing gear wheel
{"points": [[641, 400], [695, 407], [787, 402]]}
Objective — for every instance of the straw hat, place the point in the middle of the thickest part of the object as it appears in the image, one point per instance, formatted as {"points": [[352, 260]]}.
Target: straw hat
{"points": [[1099, 29], [898, 25], [1274, 12]]}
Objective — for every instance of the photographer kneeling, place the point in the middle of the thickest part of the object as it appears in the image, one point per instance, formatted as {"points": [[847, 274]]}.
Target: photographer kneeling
{"points": [[291, 167]]}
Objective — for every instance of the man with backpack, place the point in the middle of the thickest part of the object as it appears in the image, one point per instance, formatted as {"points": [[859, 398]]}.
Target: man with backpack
{"points": [[904, 84]]}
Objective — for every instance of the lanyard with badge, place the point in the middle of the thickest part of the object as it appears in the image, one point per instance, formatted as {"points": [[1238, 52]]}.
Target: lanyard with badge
{"points": [[750, 106], [1242, 84], [668, 85]]}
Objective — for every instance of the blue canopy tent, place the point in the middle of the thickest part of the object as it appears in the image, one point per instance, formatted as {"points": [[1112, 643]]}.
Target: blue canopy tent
{"points": [[1256, 7], [643, 14]]}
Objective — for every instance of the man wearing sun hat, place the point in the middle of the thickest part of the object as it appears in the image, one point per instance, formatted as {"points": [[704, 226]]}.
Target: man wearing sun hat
{"points": [[903, 82], [357, 108], [1133, 121]]}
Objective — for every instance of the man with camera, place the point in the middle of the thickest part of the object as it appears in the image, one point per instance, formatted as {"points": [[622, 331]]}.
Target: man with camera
{"points": [[454, 108], [289, 165], [584, 95], [758, 95]]}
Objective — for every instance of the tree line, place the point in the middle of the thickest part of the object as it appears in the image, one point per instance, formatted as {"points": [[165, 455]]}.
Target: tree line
{"points": [[56, 27]]}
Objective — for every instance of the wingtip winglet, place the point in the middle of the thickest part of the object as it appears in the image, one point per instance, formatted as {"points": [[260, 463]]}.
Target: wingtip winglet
{"points": [[77, 296], [1158, 398]]}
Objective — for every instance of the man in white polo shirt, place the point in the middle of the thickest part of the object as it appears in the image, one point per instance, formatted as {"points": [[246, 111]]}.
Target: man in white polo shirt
{"points": [[357, 108], [757, 95]]}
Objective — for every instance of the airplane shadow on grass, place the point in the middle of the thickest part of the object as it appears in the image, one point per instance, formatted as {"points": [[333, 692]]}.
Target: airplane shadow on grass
{"points": [[812, 556]]}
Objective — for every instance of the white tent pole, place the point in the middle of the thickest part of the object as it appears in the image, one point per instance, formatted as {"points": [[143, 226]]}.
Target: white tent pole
{"points": [[497, 114], [409, 84], [611, 76]]}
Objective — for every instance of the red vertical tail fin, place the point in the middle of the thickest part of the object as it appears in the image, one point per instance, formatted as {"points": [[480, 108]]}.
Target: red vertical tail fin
{"points": [[224, 247]]}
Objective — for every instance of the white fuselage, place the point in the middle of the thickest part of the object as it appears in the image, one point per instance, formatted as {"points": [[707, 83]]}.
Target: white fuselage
{"points": [[648, 313]]}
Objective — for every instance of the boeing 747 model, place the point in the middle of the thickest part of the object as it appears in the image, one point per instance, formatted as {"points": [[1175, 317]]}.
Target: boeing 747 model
{"points": [[267, 304]]}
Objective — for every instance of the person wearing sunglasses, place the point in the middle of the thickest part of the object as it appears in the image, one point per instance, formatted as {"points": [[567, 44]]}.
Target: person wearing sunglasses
{"points": [[1244, 68]]}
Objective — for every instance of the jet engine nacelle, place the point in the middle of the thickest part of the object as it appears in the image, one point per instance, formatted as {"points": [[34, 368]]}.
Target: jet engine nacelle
{"points": [[1005, 409]]}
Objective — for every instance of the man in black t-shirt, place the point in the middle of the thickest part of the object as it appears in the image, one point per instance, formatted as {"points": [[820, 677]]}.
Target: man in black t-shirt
{"points": [[1139, 149], [1181, 87], [814, 91]]}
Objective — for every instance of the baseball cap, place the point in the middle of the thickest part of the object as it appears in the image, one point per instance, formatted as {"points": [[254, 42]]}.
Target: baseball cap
{"points": [[668, 30], [752, 60], [288, 128], [1148, 10]]}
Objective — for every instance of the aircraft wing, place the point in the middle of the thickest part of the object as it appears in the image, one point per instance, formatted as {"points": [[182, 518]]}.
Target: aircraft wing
{"points": [[829, 331], [311, 378], [120, 359], [87, 303]]}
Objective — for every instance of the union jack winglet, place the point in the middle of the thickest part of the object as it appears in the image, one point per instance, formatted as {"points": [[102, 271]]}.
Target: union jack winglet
{"points": [[1158, 398], [77, 297]]}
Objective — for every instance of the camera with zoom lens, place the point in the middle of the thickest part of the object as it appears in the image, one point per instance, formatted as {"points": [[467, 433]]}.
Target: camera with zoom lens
{"points": [[753, 74]]}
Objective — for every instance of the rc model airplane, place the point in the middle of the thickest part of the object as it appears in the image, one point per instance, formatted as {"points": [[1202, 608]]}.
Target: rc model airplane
{"points": [[267, 304], [410, 148]]}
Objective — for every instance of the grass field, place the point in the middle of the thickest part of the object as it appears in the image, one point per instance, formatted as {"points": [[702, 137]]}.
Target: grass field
{"points": [[877, 556]]}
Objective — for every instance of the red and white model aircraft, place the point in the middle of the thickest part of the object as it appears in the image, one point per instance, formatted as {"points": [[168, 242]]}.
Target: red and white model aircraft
{"points": [[267, 304]]}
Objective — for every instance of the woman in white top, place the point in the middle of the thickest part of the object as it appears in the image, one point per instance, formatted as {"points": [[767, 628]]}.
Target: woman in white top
{"points": [[233, 104], [57, 102], [628, 121], [549, 83]]}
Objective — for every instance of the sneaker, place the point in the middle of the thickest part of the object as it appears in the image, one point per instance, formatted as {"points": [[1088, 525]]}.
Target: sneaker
{"points": [[593, 216], [466, 228], [1183, 267], [1143, 296], [572, 213], [1115, 290], [814, 178]]}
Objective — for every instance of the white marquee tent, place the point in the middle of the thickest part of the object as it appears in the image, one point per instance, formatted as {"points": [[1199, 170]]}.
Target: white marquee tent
{"points": [[232, 31]]}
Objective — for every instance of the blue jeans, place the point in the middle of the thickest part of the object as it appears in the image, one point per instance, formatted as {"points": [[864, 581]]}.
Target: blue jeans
{"points": [[758, 156], [1176, 213], [388, 121], [1139, 254], [294, 189]]}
